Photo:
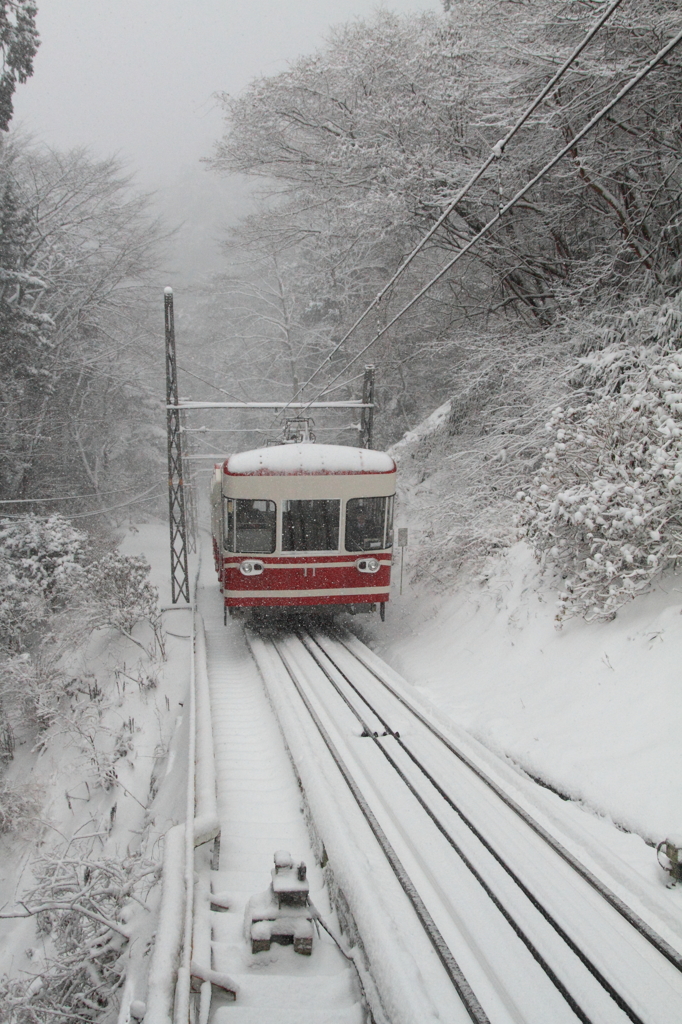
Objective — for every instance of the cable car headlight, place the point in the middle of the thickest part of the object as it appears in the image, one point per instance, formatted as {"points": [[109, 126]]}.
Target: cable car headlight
{"points": [[368, 565], [250, 567]]}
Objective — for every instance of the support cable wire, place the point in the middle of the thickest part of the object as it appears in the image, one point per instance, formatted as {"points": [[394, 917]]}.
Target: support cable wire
{"points": [[139, 500], [134, 501], [215, 387], [508, 206], [340, 945], [496, 153], [64, 497]]}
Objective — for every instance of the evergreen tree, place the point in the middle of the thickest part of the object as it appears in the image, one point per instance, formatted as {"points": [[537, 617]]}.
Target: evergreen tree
{"points": [[18, 46]]}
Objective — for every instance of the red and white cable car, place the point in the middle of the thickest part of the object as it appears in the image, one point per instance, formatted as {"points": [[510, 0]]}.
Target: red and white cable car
{"points": [[304, 525]]}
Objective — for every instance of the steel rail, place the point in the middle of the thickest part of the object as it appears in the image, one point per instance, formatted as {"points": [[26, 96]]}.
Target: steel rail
{"points": [[452, 968], [648, 933], [535, 902]]}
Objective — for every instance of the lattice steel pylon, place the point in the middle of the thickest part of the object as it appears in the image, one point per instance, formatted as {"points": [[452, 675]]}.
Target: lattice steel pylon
{"points": [[367, 417], [176, 494]]}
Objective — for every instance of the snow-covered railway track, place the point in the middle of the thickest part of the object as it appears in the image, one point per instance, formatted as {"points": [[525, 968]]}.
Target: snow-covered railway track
{"points": [[522, 930], [259, 813], [243, 807]]}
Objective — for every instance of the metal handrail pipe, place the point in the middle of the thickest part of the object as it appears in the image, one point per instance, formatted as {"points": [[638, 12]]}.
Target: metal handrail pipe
{"points": [[272, 405]]}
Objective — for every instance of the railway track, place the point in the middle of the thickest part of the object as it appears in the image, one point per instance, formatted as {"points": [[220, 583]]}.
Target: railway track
{"points": [[518, 929]]}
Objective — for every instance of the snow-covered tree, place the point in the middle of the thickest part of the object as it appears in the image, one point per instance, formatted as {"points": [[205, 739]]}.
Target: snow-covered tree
{"points": [[604, 508], [83, 902], [359, 147], [76, 248], [393, 116]]}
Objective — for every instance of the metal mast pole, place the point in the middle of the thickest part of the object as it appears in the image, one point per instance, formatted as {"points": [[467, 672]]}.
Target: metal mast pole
{"points": [[188, 488], [176, 494], [367, 418]]}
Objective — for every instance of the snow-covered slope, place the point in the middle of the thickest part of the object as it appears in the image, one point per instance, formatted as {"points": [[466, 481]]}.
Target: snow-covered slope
{"points": [[108, 779], [593, 710]]}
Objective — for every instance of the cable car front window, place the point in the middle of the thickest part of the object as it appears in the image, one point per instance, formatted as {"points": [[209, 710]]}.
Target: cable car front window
{"points": [[250, 526], [311, 525], [369, 524]]}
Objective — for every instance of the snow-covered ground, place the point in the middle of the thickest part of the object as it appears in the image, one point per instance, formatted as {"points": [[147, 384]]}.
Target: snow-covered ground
{"points": [[593, 710], [108, 776]]}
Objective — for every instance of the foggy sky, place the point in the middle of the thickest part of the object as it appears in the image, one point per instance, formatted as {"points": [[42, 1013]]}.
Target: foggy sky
{"points": [[137, 77]]}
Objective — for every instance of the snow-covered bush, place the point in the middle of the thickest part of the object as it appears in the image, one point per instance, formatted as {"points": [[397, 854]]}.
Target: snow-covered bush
{"points": [[40, 560], [48, 551], [605, 506], [32, 685], [22, 605], [43, 566], [123, 595], [7, 741], [50, 601], [19, 809]]}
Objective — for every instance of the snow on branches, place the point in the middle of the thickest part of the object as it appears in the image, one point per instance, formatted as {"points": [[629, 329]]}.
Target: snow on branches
{"points": [[84, 904], [123, 595], [604, 507], [53, 595], [44, 564], [39, 559]]}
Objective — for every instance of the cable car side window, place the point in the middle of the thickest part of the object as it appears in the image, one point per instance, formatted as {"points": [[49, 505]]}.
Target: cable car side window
{"points": [[369, 524], [250, 525], [389, 521], [311, 525]]}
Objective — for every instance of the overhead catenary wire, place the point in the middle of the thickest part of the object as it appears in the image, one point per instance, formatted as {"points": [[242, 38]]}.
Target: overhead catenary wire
{"points": [[208, 382], [357, 376], [61, 497], [496, 152], [140, 499], [511, 203]]}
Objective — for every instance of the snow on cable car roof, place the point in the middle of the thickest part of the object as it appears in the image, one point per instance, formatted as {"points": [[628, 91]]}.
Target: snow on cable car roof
{"points": [[308, 460]]}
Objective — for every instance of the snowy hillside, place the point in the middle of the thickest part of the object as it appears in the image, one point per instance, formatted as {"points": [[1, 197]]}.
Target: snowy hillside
{"points": [[87, 799], [590, 710]]}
